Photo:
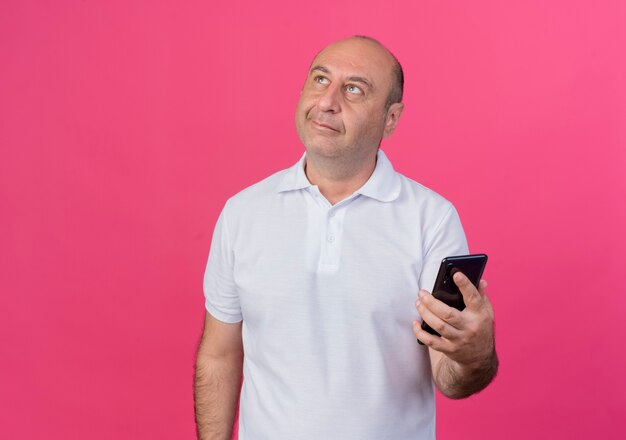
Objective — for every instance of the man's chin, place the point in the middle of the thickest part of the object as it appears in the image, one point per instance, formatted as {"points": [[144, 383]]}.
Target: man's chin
{"points": [[324, 150]]}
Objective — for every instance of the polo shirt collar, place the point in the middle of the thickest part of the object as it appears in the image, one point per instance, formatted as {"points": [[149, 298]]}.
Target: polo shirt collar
{"points": [[295, 178], [383, 184]]}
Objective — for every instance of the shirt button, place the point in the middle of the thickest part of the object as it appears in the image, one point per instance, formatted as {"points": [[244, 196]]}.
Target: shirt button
{"points": [[331, 238], [331, 214]]}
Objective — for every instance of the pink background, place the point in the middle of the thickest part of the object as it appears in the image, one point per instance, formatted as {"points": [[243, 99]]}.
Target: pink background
{"points": [[124, 127]]}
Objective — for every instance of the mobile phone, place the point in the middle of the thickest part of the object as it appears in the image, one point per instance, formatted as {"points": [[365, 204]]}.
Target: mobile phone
{"points": [[445, 290]]}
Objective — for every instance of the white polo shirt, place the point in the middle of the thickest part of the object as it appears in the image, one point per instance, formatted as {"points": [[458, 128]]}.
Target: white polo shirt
{"points": [[327, 298]]}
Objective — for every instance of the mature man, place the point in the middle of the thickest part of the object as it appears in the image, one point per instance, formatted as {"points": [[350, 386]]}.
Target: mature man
{"points": [[313, 278]]}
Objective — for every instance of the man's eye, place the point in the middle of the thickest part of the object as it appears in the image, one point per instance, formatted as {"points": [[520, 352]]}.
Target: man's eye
{"points": [[354, 89], [321, 80]]}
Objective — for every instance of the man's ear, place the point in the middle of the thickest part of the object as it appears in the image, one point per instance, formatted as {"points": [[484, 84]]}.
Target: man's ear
{"points": [[391, 119]]}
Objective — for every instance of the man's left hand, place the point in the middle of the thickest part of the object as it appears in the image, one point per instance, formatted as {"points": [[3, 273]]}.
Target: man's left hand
{"points": [[467, 336]]}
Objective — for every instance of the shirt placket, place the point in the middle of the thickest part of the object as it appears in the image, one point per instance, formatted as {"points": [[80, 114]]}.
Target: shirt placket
{"points": [[331, 229]]}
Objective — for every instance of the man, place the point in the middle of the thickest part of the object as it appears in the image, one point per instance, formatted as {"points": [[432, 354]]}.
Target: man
{"points": [[314, 273]]}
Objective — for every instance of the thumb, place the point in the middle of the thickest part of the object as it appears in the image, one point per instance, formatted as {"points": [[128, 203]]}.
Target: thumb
{"points": [[471, 296]]}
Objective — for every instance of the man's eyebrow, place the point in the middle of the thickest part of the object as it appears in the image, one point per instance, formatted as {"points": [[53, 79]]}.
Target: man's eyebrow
{"points": [[320, 68], [358, 79]]}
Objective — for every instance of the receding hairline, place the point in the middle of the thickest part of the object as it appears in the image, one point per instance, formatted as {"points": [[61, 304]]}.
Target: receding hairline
{"points": [[397, 86]]}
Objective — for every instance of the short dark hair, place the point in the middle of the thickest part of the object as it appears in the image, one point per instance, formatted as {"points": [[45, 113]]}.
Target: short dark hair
{"points": [[397, 88]]}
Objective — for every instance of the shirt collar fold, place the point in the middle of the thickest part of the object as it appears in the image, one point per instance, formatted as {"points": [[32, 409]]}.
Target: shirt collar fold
{"points": [[294, 178], [383, 185]]}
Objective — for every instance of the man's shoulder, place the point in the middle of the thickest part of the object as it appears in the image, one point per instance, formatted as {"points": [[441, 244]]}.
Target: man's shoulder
{"points": [[257, 194], [416, 195]]}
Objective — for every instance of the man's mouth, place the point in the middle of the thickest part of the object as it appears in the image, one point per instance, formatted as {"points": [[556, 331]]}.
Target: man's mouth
{"points": [[323, 126]]}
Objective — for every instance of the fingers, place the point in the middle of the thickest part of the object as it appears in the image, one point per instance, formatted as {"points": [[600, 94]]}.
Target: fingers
{"points": [[464, 334], [435, 342], [442, 318], [472, 297], [482, 287]]}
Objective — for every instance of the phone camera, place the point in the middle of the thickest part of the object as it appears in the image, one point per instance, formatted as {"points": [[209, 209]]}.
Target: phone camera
{"points": [[446, 277]]}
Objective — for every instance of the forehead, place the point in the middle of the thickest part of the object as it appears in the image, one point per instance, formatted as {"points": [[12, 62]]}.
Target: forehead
{"points": [[356, 57]]}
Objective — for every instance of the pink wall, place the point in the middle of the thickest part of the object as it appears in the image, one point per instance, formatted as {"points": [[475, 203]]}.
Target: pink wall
{"points": [[124, 126]]}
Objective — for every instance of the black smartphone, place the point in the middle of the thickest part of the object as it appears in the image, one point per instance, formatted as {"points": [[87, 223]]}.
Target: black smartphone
{"points": [[445, 290]]}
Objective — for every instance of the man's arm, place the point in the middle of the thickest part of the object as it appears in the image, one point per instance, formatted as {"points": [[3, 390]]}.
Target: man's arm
{"points": [[463, 359], [219, 366]]}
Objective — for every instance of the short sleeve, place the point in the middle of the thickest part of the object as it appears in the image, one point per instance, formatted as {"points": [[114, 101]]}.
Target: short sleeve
{"points": [[447, 239], [220, 291]]}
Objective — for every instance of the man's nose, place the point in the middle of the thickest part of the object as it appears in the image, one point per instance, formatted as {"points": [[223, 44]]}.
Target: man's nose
{"points": [[330, 99]]}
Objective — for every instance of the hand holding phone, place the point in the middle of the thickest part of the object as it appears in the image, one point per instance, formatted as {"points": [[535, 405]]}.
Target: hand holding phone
{"points": [[445, 289]]}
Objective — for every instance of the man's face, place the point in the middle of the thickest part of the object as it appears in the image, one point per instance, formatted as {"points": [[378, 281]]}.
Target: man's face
{"points": [[341, 111]]}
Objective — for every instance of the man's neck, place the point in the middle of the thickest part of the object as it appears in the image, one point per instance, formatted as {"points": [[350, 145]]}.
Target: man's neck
{"points": [[338, 179]]}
